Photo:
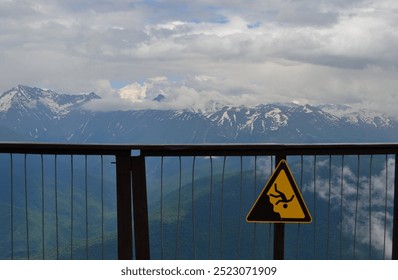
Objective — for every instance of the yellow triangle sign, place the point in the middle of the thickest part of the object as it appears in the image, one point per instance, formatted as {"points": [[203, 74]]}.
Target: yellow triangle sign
{"points": [[280, 201]]}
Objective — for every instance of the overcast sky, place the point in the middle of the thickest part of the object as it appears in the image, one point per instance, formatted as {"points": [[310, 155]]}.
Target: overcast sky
{"points": [[230, 51]]}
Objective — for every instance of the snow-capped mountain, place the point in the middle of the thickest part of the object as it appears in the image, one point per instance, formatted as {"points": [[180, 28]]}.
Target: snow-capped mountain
{"points": [[361, 116], [302, 123], [23, 99], [38, 113], [45, 115]]}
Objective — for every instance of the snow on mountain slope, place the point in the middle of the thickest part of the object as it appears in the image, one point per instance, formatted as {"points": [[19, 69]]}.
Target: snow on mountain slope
{"points": [[26, 99], [36, 113], [46, 115], [259, 118], [358, 117]]}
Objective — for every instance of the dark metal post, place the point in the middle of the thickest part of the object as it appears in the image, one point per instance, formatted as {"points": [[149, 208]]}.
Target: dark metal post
{"points": [[394, 255], [279, 228], [140, 208], [124, 221]]}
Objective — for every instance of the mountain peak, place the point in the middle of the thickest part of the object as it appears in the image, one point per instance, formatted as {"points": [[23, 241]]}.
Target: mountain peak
{"points": [[159, 98], [25, 98]]}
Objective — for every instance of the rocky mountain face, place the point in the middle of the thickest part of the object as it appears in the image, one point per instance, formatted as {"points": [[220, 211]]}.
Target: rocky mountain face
{"points": [[34, 114], [38, 114]]}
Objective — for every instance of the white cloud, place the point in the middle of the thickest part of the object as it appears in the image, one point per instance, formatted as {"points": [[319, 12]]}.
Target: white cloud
{"points": [[313, 51], [351, 189], [134, 92]]}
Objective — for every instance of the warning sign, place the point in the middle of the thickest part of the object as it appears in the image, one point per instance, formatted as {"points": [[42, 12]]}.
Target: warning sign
{"points": [[280, 201]]}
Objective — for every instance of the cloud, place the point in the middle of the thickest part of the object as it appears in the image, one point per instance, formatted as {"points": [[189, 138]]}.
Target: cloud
{"points": [[311, 51], [197, 93], [358, 192], [134, 92]]}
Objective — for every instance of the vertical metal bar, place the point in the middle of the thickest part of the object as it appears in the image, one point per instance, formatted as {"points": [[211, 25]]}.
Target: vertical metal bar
{"points": [[26, 209], [56, 205], [86, 199], [240, 205], [12, 204], [210, 206], [279, 228], [270, 227], [298, 226], [356, 208], [140, 210], [178, 206], [42, 204], [124, 217], [102, 207], [71, 206], [341, 204], [193, 208], [394, 255], [370, 206], [314, 214], [161, 209], [255, 195], [385, 209], [222, 208], [329, 200]]}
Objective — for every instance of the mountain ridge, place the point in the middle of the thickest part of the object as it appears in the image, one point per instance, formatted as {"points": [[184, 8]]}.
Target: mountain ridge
{"points": [[48, 116]]}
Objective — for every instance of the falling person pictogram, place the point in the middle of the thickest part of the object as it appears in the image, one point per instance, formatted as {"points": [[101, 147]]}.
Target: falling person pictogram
{"points": [[282, 196]]}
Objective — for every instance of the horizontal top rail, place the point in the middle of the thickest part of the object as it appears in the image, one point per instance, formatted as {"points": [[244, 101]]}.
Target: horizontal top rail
{"points": [[201, 149], [64, 149], [268, 149]]}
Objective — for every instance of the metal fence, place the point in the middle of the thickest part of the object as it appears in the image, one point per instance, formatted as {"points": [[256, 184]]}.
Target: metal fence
{"points": [[191, 201]]}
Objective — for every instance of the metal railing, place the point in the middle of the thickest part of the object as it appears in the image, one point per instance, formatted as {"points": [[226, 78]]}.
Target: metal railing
{"points": [[61, 201]]}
